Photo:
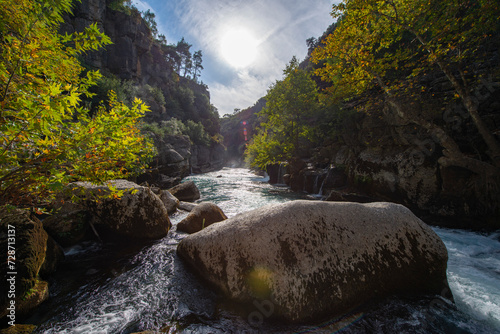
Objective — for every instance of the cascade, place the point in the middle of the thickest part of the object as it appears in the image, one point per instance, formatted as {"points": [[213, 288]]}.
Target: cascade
{"points": [[315, 187], [282, 172]]}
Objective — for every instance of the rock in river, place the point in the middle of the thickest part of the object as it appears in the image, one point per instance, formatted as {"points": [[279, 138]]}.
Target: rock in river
{"points": [[31, 252], [314, 259], [202, 215], [138, 213], [187, 191]]}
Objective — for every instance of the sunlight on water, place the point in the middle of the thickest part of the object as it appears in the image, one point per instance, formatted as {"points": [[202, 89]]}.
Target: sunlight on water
{"points": [[101, 290], [237, 190]]}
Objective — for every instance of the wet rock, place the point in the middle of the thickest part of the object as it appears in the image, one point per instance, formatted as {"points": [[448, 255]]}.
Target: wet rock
{"points": [[337, 196], [203, 215], [29, 240], [18, 329], [33, 298], [187, 192], [186, 206], [138, 213], [315, 259], [54, 256], [69, 226], [170, 201]]}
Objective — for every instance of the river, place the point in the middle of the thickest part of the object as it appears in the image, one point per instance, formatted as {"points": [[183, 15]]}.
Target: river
{"points": [[131, 288]]}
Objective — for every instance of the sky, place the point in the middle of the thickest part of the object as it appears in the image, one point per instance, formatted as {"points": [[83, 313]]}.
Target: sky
{"points": [[246, 44]]}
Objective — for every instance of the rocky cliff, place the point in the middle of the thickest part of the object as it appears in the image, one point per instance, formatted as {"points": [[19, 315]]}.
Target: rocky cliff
{"points": [[135, 58], [378, 157]]}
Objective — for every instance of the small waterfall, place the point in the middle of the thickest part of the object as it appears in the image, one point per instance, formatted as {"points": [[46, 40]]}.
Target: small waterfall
{"points": [[282, 172], [315, 187], [322, 184]]}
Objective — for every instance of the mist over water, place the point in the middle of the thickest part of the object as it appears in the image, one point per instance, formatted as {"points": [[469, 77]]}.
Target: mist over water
{"points": [[110, 289]]}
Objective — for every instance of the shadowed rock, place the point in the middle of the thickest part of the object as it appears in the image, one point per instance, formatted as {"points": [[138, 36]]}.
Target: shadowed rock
{"points": [[315, 259], [138, 213], [186, 191], [187, 206], [170, 201], [20, 273]]}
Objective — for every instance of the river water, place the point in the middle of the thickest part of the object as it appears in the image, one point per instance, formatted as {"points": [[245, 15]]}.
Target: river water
{"points": [[131, 288]]}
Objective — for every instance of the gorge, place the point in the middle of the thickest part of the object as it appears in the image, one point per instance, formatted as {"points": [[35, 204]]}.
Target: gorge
{"points": [[334, 203]]}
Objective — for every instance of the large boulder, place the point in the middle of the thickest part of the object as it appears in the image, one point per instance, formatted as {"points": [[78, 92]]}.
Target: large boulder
{"points": [[23, 236], [138, 213], [171, 203], [186, 191], [69, 225], [201, 216], [309, 259]]}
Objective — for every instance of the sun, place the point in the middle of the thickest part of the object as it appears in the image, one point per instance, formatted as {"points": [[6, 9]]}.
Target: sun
{"points": [[239, 48]]}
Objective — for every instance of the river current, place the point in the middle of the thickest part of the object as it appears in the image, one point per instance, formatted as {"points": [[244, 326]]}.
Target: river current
{"points": [[131, 288]]}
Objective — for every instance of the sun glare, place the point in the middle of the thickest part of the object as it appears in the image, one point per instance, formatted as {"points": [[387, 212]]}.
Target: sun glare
{"points": [[239, 48]]}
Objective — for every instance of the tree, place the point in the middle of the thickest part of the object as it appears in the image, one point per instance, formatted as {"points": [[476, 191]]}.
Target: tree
{"points": [[149, 17], [291, 103], [162, 40], [47, 138], [312, 43], [197, 60], [370, 43], [184, 61]]}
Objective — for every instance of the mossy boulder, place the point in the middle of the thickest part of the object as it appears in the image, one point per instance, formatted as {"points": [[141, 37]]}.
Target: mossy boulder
{"points": [[137, 213], [25, 235], [69, 226], [18, 329]]}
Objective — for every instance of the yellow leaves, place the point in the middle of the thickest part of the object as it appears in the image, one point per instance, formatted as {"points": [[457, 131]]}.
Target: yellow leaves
{"points": [[43, 127]]}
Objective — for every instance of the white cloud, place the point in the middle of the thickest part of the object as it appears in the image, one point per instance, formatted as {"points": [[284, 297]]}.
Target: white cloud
{"points": [[280, 26], [143, 6], [243, 92]]}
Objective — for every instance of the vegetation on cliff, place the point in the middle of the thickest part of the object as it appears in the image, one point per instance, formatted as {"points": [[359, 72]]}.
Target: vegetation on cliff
{"points": [[390, 43], [418, 79], [164, 75], [48, 138]]}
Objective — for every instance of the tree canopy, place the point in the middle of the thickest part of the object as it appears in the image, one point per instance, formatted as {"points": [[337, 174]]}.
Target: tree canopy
{"points": [[47, 137], [290, 104], [388, 43]]}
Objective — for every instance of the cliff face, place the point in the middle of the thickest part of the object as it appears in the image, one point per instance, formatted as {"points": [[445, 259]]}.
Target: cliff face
{"points": [[133, 54], [379, 157], [135, 57]]}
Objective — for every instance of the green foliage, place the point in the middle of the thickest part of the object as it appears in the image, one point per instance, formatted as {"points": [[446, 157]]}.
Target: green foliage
{"points": [[126, 92], [194, 130], [149, 18], [291, 105], [124, 6], [265, 149], [380, 42], [197, 133], [47, 139]]}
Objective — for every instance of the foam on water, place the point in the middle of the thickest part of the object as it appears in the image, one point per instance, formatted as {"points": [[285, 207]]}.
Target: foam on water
{"points": [[474, 273]]}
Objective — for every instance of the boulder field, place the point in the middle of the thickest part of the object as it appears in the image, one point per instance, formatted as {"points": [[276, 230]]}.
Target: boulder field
{"points": [[315, 259]]}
